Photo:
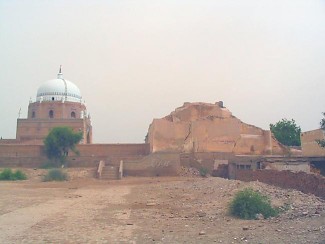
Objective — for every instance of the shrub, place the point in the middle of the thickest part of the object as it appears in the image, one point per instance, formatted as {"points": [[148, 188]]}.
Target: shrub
{"points": [[249, 203], [55, 175], [19, 175], [8, 174], [203, 171]]}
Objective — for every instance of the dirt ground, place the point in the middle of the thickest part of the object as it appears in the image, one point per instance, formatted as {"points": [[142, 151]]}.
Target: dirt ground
{"points": [[149, 210]]}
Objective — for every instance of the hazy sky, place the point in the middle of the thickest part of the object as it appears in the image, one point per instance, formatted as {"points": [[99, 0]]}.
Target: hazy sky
{"points": [[138, 60]]}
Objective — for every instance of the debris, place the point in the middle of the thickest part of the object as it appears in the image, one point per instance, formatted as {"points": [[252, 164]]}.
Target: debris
{"points": [[259, 216], [202, 214], [151, 204]]}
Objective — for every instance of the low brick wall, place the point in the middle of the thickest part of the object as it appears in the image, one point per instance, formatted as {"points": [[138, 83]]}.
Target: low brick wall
{"points": [[113, 149], [90, 154], [205, 159], [26, 162], [155, 164], [20, 150], [307, 183], [221, 171]]}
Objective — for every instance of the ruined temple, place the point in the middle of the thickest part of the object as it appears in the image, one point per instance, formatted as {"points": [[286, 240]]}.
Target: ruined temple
{"points": [[206, 127], [199, 135]]}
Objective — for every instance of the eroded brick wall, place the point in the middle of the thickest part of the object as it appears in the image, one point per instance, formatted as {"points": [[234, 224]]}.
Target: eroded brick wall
{"points": [[113, 149], [21, 150], [307, 183], [25, 162], [309, 145], [90, 154], [204, 159]]}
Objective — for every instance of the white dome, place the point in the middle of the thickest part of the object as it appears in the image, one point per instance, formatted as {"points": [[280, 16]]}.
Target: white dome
{"points": [[59, 90]]}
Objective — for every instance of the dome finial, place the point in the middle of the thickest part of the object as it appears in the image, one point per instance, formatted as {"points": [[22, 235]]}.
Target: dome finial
{"points": [[60, 75]]}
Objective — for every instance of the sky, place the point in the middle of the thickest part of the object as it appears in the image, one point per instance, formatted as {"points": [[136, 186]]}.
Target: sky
{"points": [[138, 60]]}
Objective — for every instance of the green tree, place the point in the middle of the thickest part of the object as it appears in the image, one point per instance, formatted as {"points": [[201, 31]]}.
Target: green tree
{"points": [[59, 141], [287, 132], [321, 143], [322, 122]]}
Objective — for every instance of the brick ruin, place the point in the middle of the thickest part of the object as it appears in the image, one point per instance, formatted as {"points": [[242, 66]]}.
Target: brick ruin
{"points": [[205, 127], [199, 135], [309, 144], [307, 183]]}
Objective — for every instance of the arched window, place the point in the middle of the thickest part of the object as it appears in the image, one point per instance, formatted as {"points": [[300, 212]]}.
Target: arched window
{"points": [[52, 98], [73, 115], [51, 114], [33, 114]]}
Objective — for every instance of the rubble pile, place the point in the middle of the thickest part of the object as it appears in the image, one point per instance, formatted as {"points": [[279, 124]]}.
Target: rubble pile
{"points": [[199, 207], [189, 172]]}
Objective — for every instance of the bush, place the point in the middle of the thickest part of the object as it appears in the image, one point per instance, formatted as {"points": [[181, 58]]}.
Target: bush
{"points": [[203, 171], [55, 175], [249, 203], [19, 175], [8, 174]]}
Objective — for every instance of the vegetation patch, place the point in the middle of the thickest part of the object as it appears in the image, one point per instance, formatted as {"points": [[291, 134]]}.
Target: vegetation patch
{"points": [[8, 174], [55, 175], [203, 171], [248, 204], [287, 132], [58, 143]]}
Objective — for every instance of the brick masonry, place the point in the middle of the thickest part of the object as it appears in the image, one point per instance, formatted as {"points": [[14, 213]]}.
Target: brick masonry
{"points": [[307, 183], [90, 154], [309, 144]]}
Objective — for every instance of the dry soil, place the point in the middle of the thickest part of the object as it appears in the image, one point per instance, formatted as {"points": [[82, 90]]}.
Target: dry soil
{"points": [[149, 210]]}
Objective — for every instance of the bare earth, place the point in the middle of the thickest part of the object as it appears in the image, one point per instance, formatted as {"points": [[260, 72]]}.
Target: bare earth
{"points": [[149, 210]]}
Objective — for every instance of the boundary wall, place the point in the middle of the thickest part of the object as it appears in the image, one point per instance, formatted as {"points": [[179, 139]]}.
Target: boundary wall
{"points": [[90, 154], [301, 181]]}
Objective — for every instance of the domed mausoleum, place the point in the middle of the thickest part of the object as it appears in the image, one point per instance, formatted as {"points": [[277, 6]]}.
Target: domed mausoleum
{"points": [[59, 89], [58, 103]]}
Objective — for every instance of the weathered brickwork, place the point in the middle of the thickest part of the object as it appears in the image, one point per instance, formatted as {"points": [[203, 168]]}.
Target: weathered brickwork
{"points": [[90, 155], [309, 145], [307, 183], [205, 127]]}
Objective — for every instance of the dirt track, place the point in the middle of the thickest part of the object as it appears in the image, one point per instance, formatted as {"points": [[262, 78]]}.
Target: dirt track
{"points": [[149, 210]]}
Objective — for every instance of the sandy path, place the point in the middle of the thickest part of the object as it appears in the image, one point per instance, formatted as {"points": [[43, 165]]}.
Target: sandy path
{"points": [[151, 210], [70, 218], [19, 221]]}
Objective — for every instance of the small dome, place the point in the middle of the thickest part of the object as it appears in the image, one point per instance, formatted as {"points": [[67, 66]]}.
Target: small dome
{"points": [[59, 90]]}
